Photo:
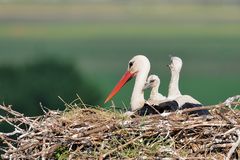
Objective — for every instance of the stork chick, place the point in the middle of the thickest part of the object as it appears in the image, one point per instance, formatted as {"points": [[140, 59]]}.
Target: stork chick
{"points": [[184, 101], [153, 82]]}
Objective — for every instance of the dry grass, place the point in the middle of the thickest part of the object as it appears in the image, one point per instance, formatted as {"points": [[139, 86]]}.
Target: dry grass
{"points": [[94, 133]]}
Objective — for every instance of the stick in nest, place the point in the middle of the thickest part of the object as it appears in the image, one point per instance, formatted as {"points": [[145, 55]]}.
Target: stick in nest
{"points": [[234, 146]]}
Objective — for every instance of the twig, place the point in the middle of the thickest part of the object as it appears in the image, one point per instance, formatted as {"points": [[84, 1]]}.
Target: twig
{"points": [[15, 126], [11, 111], [226, 118], [65, 103], [234, 146], [228, 102], [22, 148], [95, 130], [7, 142], [43, 149], [11, 133], [81, 101], [208, 107], [208, 125], [229, 131]]}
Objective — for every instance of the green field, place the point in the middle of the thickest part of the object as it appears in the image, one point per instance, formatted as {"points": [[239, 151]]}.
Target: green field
{"points": [[207, 38]]}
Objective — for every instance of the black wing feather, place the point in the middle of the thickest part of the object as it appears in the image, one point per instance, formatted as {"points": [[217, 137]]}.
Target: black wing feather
{"points": [[169, 106], [192, 105]]}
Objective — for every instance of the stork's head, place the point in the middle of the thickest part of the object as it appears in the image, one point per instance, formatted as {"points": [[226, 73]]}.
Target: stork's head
{"points": [[176, 64], [152, 81], [136, 65]]}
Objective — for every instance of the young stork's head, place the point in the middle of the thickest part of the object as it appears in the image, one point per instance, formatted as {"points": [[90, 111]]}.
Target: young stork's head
{"points": [[152, 82], [176, 64]]}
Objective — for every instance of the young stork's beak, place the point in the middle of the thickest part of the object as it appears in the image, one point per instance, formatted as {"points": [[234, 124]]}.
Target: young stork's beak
{"points": [[147, 85]]}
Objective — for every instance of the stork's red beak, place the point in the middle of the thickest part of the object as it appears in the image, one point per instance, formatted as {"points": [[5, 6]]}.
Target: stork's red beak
{"points": [[126, 77]]}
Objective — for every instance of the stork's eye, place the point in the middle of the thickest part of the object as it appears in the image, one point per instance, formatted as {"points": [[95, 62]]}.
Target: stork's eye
{"points": [[130, 64], [151, 81]]}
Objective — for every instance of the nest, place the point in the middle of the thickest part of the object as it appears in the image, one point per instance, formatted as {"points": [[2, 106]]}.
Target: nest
{"points": [[94, 133]]}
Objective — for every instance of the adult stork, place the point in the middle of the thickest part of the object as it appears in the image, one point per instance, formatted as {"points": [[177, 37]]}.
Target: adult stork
{"points": [[139, 67], [184, 101]]}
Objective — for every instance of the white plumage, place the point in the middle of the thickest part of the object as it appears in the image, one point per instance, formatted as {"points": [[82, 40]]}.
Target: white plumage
{"points": [[173, 90], [155, 98]]}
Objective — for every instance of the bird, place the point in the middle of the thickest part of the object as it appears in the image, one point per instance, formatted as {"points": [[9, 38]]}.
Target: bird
{"points": [[184, 101], [153, 82], [139, 67]]}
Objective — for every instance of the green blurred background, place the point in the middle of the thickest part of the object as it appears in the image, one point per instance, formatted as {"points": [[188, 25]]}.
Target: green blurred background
{"points": [[51, 48]]}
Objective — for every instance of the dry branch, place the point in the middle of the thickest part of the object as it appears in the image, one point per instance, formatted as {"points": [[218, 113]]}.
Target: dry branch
{"points": [[234, 146]]}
